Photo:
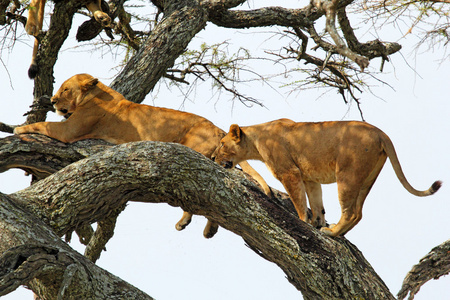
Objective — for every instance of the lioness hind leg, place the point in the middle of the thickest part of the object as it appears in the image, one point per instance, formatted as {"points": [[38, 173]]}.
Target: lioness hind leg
{"points": [[314, 192], [351, 205], [35, 11], [353, 191], [349, 193]]}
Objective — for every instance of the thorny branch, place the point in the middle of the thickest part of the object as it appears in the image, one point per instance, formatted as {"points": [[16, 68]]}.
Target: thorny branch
{"points": [[328, 72], [430, 20], [215, 62]]}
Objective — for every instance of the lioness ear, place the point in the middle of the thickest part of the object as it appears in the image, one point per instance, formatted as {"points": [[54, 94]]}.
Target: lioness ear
{"points": [[235, 132], [88, 84]]}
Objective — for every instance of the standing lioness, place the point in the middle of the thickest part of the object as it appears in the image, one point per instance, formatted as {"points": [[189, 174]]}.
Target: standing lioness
{"points": [[95, 111], [304, 155]]}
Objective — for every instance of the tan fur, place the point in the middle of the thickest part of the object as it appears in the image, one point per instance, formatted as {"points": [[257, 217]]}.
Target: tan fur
{"points": [[36, 18], [96, 111], [304, 155]]}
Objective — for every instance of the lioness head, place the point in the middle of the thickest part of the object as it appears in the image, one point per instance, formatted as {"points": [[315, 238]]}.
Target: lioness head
{"points": [[72, 92], [231, 150]]}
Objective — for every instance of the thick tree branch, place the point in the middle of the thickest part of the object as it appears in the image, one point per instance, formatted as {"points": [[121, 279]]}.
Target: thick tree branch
{"points": [[42, 156], [267, 16], [434, 265], [31, 254], [169, 39], [153, 172]]}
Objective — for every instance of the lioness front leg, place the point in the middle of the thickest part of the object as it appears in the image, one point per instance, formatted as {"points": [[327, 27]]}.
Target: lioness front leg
{"points": [[294, 185], [61, 131], [40, 128]]}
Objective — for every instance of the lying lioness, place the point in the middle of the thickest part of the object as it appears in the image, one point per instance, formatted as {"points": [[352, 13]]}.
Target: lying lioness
{"points": [[95, 111], [36, 18], [304, 155]]}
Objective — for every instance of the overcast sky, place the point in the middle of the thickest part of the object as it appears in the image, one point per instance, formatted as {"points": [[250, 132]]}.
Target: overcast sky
{"points": [[397, 228]]}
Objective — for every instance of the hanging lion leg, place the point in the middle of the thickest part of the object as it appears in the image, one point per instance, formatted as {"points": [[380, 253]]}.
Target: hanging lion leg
{"points": [[33, 27]]}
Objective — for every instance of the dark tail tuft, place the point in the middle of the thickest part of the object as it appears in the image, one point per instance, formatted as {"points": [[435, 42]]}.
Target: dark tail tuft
{"points": [[33, 70], [436, 186]]}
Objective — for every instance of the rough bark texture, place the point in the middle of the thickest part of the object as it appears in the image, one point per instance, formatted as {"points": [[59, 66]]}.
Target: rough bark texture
{"points": [[42, 156], [434, 265], [91, 189], [33, 255], [182, 21]]}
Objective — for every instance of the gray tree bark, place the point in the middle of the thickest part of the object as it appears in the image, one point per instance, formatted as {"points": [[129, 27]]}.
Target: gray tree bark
{"points": [[432, 266], [92, 189], [33, 255]]}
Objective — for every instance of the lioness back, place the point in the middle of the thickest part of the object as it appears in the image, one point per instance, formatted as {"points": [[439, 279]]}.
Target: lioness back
{"points": [[168, 125]]}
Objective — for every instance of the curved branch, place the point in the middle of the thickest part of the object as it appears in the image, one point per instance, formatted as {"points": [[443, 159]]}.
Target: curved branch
{"points": [[154, 172], [434, 265], [370, 49], [31, 254]]}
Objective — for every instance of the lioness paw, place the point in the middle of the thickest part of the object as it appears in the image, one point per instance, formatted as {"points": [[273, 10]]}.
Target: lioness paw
{"points": [[102, 18], [31, 28], [17, 130], [210, 230], [327, 231], [182, 224]]}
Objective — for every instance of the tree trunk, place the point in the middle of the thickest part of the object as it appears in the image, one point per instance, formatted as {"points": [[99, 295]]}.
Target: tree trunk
{"points": [[168, 40], [90, 190]]}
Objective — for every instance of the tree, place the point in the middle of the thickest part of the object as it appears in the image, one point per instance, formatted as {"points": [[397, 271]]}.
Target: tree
{"points": [[156, 54]]}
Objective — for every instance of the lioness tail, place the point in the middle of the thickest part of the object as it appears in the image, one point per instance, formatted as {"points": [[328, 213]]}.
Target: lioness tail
{"points": [[390, 151], [33, 70]]}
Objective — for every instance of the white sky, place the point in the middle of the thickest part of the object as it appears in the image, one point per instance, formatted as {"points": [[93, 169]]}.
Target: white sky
{"points": [[397, 228]]}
